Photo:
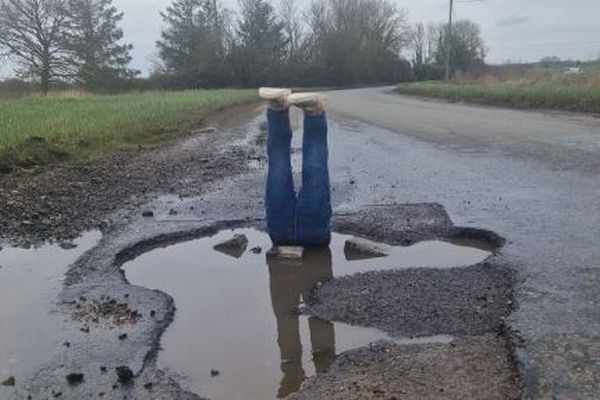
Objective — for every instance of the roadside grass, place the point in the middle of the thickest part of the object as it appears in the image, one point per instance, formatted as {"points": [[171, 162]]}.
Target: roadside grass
{"points": [[81, 127], [554, 92]]}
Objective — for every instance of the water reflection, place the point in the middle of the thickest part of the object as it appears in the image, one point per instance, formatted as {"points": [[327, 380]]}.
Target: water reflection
{"points": [[290, 283]]}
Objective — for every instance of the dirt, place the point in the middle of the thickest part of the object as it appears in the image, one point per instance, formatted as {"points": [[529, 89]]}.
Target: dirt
{"points": [[63, 200]]}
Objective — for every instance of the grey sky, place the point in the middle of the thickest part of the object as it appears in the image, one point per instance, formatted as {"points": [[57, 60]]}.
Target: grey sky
{"points": [[516, 30]]}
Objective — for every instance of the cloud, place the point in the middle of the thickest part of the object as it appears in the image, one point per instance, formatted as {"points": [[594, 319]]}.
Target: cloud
{"points": [[512, 21]]}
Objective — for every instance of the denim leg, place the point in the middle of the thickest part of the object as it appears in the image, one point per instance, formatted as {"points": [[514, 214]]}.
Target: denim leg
{"points": [[280, 199], [313, 211]]}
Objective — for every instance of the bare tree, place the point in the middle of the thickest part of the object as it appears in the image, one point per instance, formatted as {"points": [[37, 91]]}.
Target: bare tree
{"points": [[317, 20], [422, 42], [30, 31], [417, 42], [290, 17], [433, 32]]}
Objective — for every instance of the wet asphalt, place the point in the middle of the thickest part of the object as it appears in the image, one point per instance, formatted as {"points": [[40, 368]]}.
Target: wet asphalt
{"points": [[387, 150], [530, 176]]}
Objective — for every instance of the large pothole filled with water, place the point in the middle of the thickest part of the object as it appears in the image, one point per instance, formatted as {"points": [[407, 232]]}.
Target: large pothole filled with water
{"points": [[238, 331]]}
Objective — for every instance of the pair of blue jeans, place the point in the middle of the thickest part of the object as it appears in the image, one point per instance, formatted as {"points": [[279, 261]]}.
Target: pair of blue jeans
{"points": [[303, 220]]}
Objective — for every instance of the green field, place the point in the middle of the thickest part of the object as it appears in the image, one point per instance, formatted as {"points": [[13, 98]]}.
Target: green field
{"points": [[552, 94], [42, 130]]}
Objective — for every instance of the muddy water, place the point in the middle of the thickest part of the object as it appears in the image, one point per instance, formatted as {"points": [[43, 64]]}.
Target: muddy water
{"points": [[30, 280], [237, 333]]}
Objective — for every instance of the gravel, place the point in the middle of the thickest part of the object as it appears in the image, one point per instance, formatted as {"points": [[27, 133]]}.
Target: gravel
{"points": [[420, 302], [477, 368]]}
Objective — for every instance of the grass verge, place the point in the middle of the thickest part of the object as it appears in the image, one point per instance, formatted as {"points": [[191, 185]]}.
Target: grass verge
{"points": [[44, 130], [552, 96]]}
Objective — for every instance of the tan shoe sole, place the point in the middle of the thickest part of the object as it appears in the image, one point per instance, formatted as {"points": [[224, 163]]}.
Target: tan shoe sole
{"points": [[305, 99], [268, 93]]}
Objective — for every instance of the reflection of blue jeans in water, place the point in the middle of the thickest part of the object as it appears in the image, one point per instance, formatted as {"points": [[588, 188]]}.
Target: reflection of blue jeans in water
{"points": [[302, 220]]}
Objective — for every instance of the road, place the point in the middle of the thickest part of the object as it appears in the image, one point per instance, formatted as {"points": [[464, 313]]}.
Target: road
{"points": [[565, 140], [532, 177]]}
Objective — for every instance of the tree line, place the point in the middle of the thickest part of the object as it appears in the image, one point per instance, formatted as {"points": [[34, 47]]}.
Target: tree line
{"points": [[203, 44], [333, 42]]}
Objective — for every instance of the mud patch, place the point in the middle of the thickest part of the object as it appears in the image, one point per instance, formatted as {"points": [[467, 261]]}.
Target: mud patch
{"points": [[109, 311], [238, 332], [30, 280]]}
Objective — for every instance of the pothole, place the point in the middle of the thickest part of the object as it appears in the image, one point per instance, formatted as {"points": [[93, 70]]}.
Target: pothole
{"points": [[30, 280], [238, 332]]}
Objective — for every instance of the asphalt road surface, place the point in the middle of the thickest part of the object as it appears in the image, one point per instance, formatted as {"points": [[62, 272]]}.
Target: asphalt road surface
{"points": [[531, 176]]}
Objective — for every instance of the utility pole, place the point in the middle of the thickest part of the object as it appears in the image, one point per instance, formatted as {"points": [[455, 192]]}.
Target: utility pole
{"points": [[449, 42]]}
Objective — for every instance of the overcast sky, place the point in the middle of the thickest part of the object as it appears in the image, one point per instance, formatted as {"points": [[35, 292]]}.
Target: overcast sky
{"points": [[516, 30]]}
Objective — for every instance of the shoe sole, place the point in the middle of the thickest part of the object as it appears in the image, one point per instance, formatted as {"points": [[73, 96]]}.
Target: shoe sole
{"points": [[304, 99], [268, 93]]}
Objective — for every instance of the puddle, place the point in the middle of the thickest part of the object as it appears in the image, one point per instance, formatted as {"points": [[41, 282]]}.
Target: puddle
{"points": [[30, 280], [237, 333]]}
